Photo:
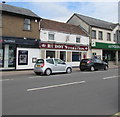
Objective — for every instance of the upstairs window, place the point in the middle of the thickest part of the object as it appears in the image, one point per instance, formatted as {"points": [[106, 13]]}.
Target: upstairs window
{"points": [[51, 37], [108, 37], [100, 36], [27, 24], [93, 34], [77, 39]]}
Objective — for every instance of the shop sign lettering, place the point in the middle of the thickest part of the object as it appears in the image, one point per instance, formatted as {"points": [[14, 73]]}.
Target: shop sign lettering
{"points": [[63, 46], [9, 41], [114, 46]]}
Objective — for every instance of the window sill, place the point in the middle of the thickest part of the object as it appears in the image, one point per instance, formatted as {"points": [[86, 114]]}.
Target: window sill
{"points": [[100, 39], [27, 30]]}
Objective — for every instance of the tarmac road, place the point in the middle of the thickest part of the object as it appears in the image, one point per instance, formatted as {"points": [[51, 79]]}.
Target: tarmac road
{"points": [[79, 93]]}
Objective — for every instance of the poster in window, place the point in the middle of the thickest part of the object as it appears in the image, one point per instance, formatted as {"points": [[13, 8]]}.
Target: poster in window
{"points": [[22, 57]]}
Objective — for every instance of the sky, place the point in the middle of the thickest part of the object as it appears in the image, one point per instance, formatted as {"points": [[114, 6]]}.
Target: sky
{"points": [[62, 11]]}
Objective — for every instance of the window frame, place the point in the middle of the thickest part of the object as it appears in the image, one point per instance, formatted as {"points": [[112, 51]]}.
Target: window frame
{"points": [[79, 39], [114, 37], [108, 36], [100, 37], [27, 23], [49, 36], [94, 37]]}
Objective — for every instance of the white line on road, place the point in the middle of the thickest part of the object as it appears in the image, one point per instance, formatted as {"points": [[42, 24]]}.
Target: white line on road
{"points": [[54, 86], [34, 77], [110, 77], [5, 80]]}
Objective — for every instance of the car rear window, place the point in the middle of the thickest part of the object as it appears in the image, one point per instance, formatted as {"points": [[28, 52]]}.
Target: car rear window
{"points": [[40, 61], [84, 60]]}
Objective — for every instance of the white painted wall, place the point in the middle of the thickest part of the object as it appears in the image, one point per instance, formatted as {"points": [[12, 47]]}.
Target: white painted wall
{"points": [[61, 37], [32, 53]]}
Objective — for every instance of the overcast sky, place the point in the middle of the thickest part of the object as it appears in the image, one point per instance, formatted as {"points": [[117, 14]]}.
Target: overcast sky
{"points": [[62, 11]]}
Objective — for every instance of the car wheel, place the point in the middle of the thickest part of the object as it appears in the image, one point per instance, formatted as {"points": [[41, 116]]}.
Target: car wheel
{"points": [[37, 73], [106, 67], [92, 68], [48, 72], [69, 70]]}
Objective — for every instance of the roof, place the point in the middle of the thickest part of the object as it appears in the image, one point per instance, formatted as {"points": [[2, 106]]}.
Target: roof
{"points": [[96, 22], [17, 10], [61, 27]]}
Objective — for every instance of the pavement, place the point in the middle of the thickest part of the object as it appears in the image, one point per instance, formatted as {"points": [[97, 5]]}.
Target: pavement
{"points": [[21, 72]]}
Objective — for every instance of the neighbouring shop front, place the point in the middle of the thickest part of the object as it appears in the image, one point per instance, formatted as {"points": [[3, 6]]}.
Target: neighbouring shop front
{"points": [[69, 53], [15, 52], [107, 51]]}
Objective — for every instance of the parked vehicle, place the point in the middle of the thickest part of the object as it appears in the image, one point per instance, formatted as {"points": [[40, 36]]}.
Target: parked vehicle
{"points": [[51, 65], [92, 64]]}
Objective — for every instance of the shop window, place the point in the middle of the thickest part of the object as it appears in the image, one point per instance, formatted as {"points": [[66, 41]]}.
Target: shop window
{"points": [[100, 35], [93, 34], [108, 55], [63, 55], [51, 37], [108, 37], [77, 39], [27, 24], [11, 60], [76, 56], [1, 58], [50, 54]]}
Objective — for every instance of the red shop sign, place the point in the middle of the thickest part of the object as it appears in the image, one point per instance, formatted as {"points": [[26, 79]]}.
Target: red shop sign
{"points": [[63, 46]]}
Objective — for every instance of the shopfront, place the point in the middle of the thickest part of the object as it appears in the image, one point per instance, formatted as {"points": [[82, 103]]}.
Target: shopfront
{"points": [[69, 53], [10, 58], [107, 51]]}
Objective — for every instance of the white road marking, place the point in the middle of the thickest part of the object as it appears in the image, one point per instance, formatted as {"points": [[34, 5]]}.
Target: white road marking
{"points": [[1, 80], [34, 77], [54, 86], [110, 77]]}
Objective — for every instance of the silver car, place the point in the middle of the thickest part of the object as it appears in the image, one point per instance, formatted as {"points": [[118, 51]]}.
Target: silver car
{"points": [[51, 65]]}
